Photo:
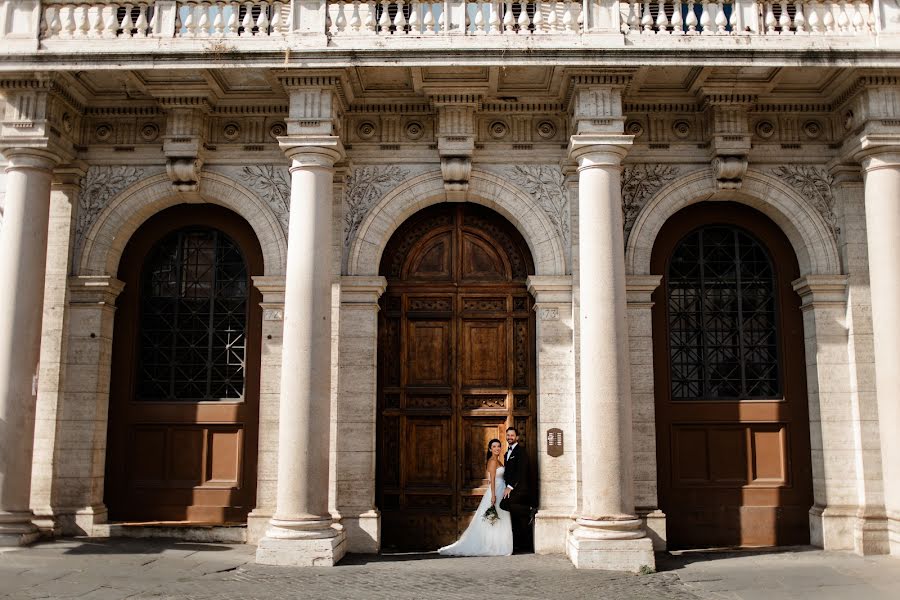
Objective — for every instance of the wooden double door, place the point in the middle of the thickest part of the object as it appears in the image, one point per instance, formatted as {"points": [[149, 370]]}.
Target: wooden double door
{"points": [[184, 395], [456, 367], [730, 381]]}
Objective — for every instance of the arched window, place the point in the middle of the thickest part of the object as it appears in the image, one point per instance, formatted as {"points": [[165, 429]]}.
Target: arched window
{"points": [[192, 342], [723, 335]]}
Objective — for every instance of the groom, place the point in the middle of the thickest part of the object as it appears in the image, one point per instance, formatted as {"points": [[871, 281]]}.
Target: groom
{"points": [[517, 497]]}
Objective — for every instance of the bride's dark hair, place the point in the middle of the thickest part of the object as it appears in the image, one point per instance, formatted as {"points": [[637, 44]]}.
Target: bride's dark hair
{"points": [[491, 443]]}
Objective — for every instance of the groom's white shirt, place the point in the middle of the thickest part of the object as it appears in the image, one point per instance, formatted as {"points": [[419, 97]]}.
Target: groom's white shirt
{"points": [[508, 454]]}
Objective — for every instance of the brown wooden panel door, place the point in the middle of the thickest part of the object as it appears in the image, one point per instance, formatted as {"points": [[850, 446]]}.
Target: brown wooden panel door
{"points": [[185, 386], [730, 382], [456, 368]]}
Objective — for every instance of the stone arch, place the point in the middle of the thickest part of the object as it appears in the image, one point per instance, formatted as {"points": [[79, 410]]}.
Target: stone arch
{"points": [[105, 241], [546, 243], [807, 231]]}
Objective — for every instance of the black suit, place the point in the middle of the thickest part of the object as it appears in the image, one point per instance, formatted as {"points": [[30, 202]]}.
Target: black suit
{"points": [[519, 502]]}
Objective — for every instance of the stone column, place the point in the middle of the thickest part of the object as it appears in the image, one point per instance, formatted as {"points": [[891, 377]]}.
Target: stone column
{"points": [[882, 191], [608, 534], [640, 289], [301, 531], [556, 409], [23, 257], [357, 412]]}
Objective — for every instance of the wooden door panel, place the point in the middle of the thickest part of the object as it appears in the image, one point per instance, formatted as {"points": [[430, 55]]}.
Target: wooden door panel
{"points": [[456, 367], [428, 455], [483, 353], [429, 353]]}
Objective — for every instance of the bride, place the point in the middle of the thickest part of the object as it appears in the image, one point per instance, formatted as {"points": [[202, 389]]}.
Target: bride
{"points": [[482, 537]]}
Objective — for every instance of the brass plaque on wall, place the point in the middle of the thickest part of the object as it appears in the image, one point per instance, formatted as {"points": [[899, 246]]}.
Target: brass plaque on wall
{"points": [[555, 442]]}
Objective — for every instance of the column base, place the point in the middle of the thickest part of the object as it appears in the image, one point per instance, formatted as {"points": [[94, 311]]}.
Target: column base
{"points": [[16, 529], [319, 548], [619, 545]]}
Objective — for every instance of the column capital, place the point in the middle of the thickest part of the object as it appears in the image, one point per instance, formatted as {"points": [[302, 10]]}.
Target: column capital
{"points": [[599, 149], [881, 156], [27, 157], [362, 290], [550, 289], [312, 151]]}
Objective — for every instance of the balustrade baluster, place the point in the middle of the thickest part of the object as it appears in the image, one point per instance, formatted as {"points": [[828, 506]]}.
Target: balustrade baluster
{"points": [[400, 21], [443, 22], [857, 20], [479, 20], [262, 23], [95, 14], [568, 20], [626, 20], [218, 21], [428, 19], [579, 21], [706, 19], [813, 19], [870, 18], [662, 21], [784, 20], [771, 21], [140, 25], [494, 19], [414, 17], [720, 19], [369, 24], [540, 24], [277, 25], [799, 18], [203, 20], [828, 19], [647, 19], [231, 24], [190, 24], [522, 21], [355, 19], [247, 21], [691, 21], [53, 19], [508, 20], [677, 19], [384, 21], [109, 14], [843, 19]]}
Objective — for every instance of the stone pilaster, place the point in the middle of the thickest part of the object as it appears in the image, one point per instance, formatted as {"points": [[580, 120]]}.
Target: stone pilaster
{"points": [[639, 291], [50, 516], [272, 290], [556, 409], [357, 412]]}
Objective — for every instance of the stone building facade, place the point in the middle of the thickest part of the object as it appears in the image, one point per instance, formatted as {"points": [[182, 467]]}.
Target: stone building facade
{"points": [[278, 270]]}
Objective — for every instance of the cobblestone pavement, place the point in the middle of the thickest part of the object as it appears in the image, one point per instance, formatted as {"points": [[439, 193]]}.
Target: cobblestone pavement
{"points": [[127, 568]]}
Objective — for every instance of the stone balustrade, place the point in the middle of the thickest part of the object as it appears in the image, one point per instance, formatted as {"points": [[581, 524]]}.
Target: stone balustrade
{"points": [[478, 17], [747, 17], [331, 22]]}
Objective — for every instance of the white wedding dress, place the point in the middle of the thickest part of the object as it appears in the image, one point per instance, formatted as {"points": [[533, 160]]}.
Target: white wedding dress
{"points": [[482, 538]]}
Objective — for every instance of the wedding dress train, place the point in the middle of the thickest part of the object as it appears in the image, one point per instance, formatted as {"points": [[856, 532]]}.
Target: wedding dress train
{"points": [[483, 538]]}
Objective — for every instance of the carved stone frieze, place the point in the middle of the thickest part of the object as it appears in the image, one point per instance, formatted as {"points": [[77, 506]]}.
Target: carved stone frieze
{"points": [[546, 184], [272, 183], [639, 183], [364, 188], [98, 187], [814, 184]]}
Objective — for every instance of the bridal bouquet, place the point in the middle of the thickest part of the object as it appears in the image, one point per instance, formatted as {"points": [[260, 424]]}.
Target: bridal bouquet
{"points": [[490, 515]]}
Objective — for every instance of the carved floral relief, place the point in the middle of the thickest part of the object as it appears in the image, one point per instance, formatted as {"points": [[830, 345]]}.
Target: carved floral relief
{"points": [[814, 184], [639, 183], [364, 188], [98, 187], [272, 183]]}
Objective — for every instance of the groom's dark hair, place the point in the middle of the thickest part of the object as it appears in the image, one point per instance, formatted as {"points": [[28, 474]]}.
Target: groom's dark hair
{"points": [[508, 429]]}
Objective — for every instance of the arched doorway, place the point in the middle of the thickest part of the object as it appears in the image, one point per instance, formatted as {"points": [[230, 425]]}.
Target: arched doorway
{"points": [[456, 367], [730, 381], [184, 394]]}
